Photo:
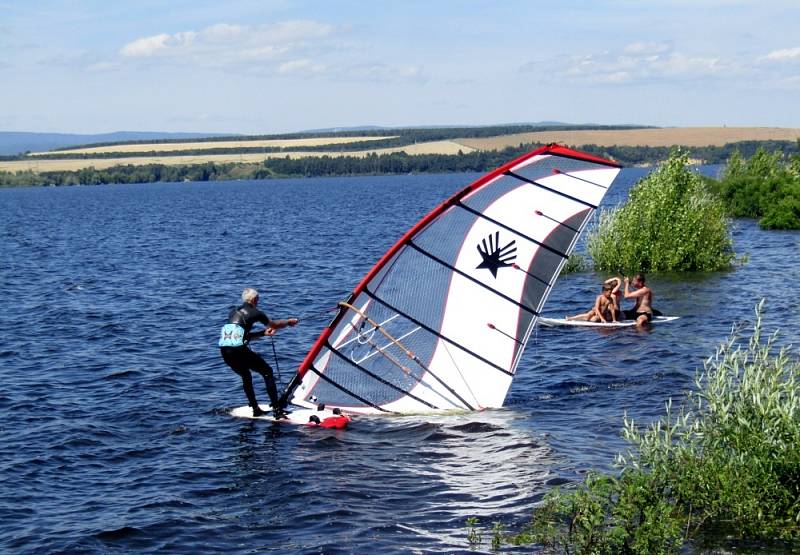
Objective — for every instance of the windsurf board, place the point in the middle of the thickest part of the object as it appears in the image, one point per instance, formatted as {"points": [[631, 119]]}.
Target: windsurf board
{"points": [[300, 416], [554, 322]]}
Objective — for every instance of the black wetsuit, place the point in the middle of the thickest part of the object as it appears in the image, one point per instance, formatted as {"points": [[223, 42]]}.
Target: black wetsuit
{"points": [[242, 360]]}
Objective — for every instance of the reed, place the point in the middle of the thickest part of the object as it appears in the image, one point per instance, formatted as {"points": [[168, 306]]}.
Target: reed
{"points": [[671, 222]]}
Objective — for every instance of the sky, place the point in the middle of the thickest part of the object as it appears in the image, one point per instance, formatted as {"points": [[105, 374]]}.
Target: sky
{"points": [[276, 66]]}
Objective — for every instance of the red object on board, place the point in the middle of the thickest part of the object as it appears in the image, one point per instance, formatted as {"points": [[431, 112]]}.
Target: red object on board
{"points": [[338, 422]]}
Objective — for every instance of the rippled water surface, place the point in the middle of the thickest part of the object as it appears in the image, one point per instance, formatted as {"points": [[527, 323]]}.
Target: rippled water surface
{"points": [[116, 435]]}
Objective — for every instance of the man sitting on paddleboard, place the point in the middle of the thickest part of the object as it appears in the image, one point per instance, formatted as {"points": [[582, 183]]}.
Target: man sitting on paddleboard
{"points": [[234, 345], [643, 309]]}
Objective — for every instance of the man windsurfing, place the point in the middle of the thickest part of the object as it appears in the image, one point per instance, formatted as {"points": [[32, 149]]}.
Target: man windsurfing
{"points": [[234, 345]]}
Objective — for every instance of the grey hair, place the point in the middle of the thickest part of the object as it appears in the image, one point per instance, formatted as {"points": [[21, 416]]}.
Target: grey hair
{"points": [[249, 295]]}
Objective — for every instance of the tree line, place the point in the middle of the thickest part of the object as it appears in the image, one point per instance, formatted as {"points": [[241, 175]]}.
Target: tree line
{"points": [[373, 164]]}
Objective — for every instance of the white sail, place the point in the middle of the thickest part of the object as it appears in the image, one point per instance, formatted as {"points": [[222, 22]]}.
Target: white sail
{"points": [[442, 319]]}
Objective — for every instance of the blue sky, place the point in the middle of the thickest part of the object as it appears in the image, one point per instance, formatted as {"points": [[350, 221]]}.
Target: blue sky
{"points": [[270, 66]]}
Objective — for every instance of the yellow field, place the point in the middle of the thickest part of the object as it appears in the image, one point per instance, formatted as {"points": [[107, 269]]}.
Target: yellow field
{"points": [[173, 147], [432, 147], [44, 165], [686, 136]]}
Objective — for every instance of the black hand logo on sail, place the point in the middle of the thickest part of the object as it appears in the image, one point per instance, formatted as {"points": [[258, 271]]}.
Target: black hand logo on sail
{"points": [[494, 256]]}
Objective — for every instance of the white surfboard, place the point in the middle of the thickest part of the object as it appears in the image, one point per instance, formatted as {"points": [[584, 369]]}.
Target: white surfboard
{"points": [[294, 415], [553, 322]]}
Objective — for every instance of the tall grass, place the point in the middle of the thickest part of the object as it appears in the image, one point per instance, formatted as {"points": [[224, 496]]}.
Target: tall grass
{"points": [[671, 222], [728, 461]]}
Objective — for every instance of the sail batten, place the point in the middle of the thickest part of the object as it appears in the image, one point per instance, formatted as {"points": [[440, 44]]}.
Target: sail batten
{"points": [[546, 188], [346, 391], [472, 279], [376, 377], [456, 298], [439, 334], [410, 354], [512, 230]]}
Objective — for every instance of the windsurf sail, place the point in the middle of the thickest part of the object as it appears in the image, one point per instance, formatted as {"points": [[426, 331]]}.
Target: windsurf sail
{"points": [[441, 321]]}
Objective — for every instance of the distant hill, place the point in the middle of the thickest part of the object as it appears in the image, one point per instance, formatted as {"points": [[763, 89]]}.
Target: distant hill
{"points": [[453, 126], [13, 142]]}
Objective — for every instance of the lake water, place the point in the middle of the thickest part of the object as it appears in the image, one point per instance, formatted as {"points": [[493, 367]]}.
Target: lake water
{"points": [[116, 436]]}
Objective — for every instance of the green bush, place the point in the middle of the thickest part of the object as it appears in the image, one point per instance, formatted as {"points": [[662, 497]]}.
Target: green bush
{"points": [[576, 263], [734, 456], [671, 222], [605, 515], [727, 464], [765, 187]]}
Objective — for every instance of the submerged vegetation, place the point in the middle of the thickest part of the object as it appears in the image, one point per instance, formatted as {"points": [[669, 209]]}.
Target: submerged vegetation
{"points": [[765, 187], [727, 464], [670, 222]]}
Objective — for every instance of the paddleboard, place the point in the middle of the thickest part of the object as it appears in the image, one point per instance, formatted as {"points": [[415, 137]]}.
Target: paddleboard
{"points": [[554, 322], [300, 416]]}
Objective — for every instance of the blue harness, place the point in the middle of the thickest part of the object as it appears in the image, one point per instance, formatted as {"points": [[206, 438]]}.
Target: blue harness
{"points": [[232, 335]]}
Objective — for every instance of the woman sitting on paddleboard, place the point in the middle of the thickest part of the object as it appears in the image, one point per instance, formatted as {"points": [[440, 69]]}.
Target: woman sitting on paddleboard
{"points": [[616, 296]]}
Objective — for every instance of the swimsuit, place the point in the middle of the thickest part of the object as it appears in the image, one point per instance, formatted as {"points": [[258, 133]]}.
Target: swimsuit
{"points": [[648, 314], [632, 315]]}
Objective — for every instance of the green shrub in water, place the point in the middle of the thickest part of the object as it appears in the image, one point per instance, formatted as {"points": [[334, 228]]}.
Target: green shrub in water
{"points": [[728, 462], [576, 263], [733, 458], [765, 187], [671, 222]]}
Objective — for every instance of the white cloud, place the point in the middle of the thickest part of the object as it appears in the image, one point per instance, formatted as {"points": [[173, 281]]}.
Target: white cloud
{"points": [[683, 66], [225, 43], [101, 67], [304, 67], [636, 63], [379, 72], [647, 48], [784, 55], [263, 53], [145, 47], [789, 83], [222, 32], [289, 48], [617, 77], [293, 31]]}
